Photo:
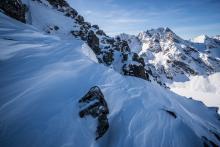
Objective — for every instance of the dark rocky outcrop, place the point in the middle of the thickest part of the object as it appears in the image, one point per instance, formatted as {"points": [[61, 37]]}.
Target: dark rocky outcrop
{"points": [[93, 42], [96, 107], [138, 59], [135, 70], [217, 136], [184, 66], [173, 114], [80, 19], [14, 9], [108, 57], [56, 28], [57, 3], [101, 33], [208, 143]]}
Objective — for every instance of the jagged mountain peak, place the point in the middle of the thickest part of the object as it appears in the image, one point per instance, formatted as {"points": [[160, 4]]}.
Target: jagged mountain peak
{"points": [[172, 58], [160, 35], [159, 31]]}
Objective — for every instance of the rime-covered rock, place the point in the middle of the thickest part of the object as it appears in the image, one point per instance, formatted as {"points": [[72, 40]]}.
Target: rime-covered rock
{"points": [[97, 107]]}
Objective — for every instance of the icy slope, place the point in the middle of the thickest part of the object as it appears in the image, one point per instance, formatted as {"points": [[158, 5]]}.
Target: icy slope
{"points": [[43, 77]]}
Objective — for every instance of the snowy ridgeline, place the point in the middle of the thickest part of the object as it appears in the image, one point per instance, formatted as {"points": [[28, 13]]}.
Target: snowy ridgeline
{"points": [[43, 77], [182, 64], [172, 58]]}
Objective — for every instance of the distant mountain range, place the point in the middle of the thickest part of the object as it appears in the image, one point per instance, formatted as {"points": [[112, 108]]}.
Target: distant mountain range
{"points": [[171, 58]]}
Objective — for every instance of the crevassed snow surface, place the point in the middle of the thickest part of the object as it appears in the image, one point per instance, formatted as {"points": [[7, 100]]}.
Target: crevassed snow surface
{"points": [[205, 89], [43, 77]]}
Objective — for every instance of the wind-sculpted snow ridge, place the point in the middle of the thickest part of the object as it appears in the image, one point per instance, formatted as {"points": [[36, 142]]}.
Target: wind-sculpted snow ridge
{"points": [[43, 77], [172, 58]]}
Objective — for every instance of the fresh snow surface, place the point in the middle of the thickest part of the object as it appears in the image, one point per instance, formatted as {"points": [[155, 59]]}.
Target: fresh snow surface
{"points": [[205, 89], [43, 77], [43, 16]]}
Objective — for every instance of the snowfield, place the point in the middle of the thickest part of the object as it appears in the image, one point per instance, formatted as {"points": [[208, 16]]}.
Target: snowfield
{"points": [[43, 77], [205, 89]]}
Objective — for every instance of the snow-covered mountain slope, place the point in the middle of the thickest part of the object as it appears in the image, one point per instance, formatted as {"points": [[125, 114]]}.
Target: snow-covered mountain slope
{"points": [[210, 42], [57, 17], [217, 37], [44, 76], [172, 58], [208, 45], [202, 88], [133, 42]]}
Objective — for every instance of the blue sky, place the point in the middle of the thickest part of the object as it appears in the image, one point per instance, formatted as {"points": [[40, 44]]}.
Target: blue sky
{"points": [[187, 18]]}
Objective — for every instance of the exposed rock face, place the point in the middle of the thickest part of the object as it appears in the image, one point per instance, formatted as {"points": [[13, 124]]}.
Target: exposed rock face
{"points": [[93, 42], [14, 8], [184, 66], [105, 47], [108, 57], [97, 108], [57, 3], [135, 70]]}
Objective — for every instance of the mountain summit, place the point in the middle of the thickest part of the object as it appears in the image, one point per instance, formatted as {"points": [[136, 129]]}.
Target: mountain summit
{"points": [[172, 58]]}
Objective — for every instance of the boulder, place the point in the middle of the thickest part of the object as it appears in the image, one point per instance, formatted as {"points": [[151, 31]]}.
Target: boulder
{"points": [[138, 59], [135, 70], [101, 33], [108, 57], [95, 26], [96, 107], [80, 19]]}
